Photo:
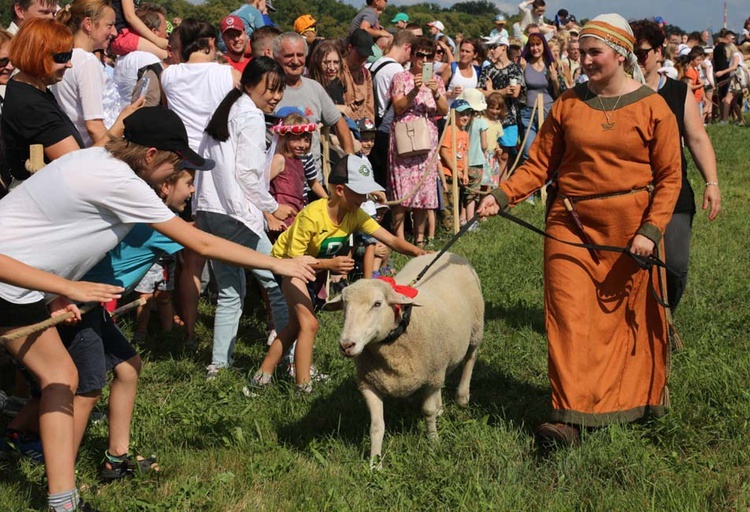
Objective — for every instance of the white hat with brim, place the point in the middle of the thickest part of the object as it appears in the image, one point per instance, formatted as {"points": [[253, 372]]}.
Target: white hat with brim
{"points": [[475, 98]]}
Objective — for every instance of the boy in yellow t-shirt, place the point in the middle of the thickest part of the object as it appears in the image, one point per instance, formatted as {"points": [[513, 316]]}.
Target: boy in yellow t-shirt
{"points": [[321, 230]]}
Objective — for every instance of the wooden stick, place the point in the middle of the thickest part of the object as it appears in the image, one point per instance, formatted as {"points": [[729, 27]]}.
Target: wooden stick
{"points": [[325, 136], [540, 112], [129, 306], [43, 325], [36, 158], [454, 187], [55, 320]]}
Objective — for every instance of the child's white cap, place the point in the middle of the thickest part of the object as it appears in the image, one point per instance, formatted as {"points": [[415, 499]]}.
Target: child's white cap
{"points": [[356, 173]]}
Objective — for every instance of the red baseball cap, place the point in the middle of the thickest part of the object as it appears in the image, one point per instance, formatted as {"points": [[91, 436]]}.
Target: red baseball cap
{"points": [[232, 22]]}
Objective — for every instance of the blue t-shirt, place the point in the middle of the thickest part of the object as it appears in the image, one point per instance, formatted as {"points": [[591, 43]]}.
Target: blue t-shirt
{"points": [[251, 17], [126, 264]]}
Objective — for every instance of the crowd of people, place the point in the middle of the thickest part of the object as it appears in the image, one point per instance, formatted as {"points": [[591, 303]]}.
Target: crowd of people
{"points": [[166, 144]]}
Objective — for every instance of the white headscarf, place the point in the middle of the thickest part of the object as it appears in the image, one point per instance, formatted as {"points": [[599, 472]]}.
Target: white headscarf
{"points": [[614, 31]]}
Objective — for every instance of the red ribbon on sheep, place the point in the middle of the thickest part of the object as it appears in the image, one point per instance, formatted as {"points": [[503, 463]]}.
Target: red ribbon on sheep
{"points": [[407, 291]]}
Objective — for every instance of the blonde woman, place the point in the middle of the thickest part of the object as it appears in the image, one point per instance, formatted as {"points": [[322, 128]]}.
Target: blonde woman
{"points": [[81, 91]]}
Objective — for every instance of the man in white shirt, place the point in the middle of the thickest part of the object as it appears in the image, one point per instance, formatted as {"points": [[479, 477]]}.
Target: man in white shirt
{"points": [[29, 9], [532, 11], [383, 70], [290, 50]]}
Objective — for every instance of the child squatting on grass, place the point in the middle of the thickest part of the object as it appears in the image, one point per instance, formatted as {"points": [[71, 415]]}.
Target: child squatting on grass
{"points": [[321, 230]]}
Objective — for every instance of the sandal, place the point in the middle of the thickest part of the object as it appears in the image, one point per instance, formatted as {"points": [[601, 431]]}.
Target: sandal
{"points": [[116, 467]]}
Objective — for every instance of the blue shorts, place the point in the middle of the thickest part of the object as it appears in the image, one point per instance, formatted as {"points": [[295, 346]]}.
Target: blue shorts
{"points": [[510, 136], [96, 346]]}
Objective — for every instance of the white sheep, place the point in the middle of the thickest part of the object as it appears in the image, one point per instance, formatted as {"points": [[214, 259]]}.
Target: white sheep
{"points": [[446, 327]]}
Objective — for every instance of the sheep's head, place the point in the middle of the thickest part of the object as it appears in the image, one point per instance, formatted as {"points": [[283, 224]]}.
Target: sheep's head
{"points": [[369, 314]]}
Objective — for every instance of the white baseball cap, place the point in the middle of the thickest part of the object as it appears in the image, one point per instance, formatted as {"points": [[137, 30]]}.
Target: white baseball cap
{"points": [[356, 173], [498, 39], [437, 24]]}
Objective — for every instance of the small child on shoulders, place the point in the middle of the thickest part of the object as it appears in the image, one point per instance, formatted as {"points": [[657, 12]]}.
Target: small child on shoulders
{"points": [[322, 230]]}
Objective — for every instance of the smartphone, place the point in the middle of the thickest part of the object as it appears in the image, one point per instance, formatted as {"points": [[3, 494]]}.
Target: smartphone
{"points": [[426, 72], [142, 88]]}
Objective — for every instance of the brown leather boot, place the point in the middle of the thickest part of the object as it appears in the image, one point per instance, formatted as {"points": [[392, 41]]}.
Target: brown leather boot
{"points": [[557, 434]]}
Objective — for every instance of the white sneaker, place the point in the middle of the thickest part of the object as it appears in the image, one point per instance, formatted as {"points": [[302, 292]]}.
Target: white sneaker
{"points": [[212, 371]]}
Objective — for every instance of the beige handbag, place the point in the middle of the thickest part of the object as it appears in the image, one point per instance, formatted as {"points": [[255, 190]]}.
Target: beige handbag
{"points": [[412, 137]]}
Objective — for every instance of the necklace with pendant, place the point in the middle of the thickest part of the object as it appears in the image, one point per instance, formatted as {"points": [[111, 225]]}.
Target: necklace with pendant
{"points": [[609, 125]]}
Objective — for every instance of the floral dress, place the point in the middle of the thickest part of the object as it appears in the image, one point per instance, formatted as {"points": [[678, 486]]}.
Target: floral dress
{"points": [[405, 173]]}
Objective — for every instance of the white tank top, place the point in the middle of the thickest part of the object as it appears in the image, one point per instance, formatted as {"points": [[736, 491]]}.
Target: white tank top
{"points": [[458, 80]]}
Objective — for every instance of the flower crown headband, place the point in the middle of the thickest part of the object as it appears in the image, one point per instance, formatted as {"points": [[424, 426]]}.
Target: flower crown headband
{"points": [[296, 129]]}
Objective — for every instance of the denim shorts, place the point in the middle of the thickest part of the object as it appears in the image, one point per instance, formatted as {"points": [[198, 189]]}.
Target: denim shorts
{"points": [[96, 346]]}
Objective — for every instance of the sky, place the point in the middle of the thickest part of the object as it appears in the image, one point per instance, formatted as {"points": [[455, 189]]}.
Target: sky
{"points": [[687, 14]]}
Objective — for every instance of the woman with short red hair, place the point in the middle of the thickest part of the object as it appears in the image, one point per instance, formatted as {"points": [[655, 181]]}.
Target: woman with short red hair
{"points": [[41, 51]]}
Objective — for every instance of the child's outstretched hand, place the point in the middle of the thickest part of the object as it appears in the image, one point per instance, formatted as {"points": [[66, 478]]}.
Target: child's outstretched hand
{"points": [[300, 267], [342, 264]]}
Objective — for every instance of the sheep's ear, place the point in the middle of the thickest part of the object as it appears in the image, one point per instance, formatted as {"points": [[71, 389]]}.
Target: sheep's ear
{"points": [[397, 298], [334, 304]]}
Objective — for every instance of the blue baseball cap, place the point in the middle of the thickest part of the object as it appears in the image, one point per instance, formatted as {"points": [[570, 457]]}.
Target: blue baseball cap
{"points": [[285, 111], [460, 105]]}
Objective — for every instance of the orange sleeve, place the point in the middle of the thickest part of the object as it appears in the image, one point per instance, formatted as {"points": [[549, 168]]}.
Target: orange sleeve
{"points": [[544, 159], [666, 165]]}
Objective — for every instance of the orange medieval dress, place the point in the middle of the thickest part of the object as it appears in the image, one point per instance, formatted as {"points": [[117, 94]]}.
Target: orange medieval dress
{"points": [[607, 336]]}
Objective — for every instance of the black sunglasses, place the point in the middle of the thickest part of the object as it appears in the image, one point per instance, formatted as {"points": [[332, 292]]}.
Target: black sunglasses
{"points": [[62, 57], [4, 62], [422, 55], [642, 53]]}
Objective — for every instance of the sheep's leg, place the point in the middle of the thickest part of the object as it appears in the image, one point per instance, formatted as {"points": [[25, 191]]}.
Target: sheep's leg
{"points": [[432, 408], [462, 395], [374, 402]]}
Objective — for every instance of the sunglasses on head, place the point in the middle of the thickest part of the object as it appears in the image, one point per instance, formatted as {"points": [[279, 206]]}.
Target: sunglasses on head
{"points": [[4, 62], [422, 55], [62, 57], [296, 129]]}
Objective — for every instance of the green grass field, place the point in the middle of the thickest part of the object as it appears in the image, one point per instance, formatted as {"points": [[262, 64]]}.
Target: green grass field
{"points": [[222, 451]]}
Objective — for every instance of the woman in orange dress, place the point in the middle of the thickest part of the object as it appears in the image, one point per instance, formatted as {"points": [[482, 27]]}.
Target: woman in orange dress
{"points": [[612, 148]]}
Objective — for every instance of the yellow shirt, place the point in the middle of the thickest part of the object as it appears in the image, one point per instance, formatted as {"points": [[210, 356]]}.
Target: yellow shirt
{"points": [[313, 233]]}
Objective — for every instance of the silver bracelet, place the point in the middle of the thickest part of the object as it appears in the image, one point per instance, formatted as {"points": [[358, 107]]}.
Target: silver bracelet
{"points": [[714, 183]]}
